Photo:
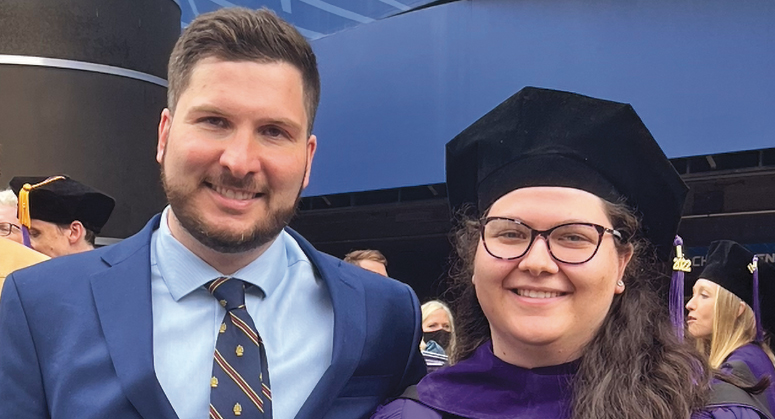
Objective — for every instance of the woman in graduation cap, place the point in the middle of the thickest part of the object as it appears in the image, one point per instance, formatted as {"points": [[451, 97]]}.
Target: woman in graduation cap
{"points": [[570, 203], [725, 315]]}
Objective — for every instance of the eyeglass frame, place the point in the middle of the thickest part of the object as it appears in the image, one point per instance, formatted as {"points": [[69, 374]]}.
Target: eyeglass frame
{"points": [[10, 229], [545, 234]]}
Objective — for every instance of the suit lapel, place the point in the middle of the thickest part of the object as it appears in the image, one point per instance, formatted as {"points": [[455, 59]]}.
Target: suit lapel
{"points": [[349, 303], [122, 295]]}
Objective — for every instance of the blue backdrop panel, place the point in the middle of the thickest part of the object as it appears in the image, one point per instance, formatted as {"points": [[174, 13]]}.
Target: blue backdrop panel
{"points": [[313, 18], [395, 90]]}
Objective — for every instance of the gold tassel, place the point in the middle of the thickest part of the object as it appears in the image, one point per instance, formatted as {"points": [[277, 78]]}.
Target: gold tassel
{"points": [[24, 199]]}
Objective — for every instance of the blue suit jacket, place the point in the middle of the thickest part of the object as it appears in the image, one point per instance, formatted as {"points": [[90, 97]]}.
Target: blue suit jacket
{"points": [[76, 338]]}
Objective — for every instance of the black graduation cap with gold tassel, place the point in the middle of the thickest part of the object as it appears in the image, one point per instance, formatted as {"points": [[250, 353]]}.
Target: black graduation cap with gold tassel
{"points": [[60, 200]]}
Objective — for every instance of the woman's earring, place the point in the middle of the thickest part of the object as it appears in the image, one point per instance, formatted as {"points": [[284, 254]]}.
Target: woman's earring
{"points": [[620, 283]]}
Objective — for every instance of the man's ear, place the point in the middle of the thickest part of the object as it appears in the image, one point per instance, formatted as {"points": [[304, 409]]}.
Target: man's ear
{"points": [[312, 145], [164, 133], [76, 232]]}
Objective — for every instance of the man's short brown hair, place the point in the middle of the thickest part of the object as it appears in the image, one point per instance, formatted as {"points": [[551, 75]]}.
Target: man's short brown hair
{"points": [[241, 34], [358, 255]]}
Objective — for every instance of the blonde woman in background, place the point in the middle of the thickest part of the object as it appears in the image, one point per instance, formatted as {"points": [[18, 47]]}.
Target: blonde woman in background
{"points": [[721, 315], [438, 331]]}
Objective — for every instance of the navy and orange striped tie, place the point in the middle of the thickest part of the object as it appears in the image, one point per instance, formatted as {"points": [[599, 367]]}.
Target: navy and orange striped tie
{"points": [[239, 385]]}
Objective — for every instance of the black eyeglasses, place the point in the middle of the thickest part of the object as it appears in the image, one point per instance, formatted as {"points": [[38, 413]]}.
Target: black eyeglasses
{"points": [[7, 228], [572, 243]]}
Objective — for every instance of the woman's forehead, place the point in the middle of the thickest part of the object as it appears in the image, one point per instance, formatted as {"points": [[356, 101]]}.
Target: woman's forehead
{"points": [[567, 203], [705, 284]]}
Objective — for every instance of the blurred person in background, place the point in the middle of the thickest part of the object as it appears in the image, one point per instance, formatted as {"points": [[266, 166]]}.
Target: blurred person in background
{"points": [[13, 255], [9, 223], [66, 215], [371, 260]]}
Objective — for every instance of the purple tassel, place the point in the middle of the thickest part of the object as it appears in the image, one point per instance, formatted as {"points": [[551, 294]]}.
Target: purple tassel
{"points": [[756, 309], [26, 236], [677, 293]]}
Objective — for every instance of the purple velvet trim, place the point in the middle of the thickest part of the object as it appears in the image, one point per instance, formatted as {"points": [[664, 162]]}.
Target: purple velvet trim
{"points": [[26, 236], [485, 387], [757, 312], [677, 296]]}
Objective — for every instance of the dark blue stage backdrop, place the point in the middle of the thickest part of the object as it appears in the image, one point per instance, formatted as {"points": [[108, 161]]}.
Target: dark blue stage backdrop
{"points": [[700, 74]]}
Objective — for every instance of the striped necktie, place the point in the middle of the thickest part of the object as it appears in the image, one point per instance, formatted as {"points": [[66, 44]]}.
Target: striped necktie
{"points": [[240, 381]]}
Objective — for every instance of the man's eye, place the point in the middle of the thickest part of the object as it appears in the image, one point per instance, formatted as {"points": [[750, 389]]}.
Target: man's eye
{"points": [[273, 132], [214, 121]]}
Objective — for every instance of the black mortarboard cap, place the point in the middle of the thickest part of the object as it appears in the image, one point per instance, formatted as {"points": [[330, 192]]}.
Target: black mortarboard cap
{"points": [[727, 264], [541, 137], [65, 201]]}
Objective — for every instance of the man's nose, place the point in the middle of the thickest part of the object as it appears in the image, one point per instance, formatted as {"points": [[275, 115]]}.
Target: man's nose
{"points": [[239, 154]]}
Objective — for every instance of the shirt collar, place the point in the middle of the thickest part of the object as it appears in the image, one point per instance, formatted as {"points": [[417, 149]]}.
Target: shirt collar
{"points": [[183, 271]]}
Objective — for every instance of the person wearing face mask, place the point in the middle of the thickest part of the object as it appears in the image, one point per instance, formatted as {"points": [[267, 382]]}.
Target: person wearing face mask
{"points": [[438, 329], [724, 315], [568, 209]]}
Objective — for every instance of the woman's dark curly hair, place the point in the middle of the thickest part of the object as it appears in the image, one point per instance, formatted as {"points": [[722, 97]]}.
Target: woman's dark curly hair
{"points": [[634, 367]]}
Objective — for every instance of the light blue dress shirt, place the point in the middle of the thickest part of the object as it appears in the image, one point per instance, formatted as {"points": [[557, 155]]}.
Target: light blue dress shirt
{"points": [[291, 309]]}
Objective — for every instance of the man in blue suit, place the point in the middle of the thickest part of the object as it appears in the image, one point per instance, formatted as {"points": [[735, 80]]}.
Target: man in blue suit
{"points": [[129, 331]]}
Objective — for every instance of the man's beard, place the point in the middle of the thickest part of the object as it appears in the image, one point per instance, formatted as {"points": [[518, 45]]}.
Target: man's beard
{"points": [[263, 231]]}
